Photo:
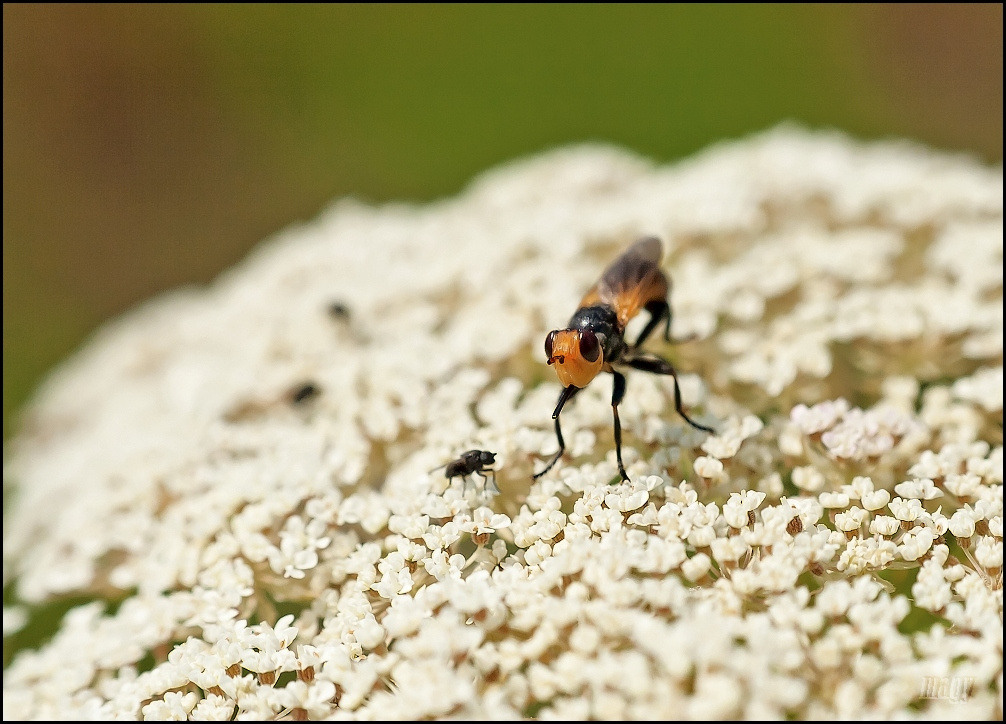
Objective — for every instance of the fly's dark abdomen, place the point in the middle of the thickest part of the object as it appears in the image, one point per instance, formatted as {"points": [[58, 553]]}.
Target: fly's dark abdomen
{"points": [[456, 469], [602, 321]]}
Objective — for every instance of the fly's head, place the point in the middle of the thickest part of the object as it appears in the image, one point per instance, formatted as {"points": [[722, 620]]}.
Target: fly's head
{"points": [[576, 355]]}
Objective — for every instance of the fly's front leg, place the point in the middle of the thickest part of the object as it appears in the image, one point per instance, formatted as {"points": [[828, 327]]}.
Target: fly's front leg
{"points": [[487, 478], [663, 367], [617, 393], [565, 396]]}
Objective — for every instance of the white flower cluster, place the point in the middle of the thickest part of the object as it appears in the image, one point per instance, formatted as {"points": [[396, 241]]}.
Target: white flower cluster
{"points": [[223, 507]]}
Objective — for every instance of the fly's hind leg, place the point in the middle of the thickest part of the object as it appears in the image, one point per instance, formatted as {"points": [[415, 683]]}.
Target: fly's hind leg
{"points": [[660, 311], [464, 482], [660, 366]]}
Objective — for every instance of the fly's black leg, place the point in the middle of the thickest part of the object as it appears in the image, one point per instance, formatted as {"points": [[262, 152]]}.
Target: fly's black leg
{"points": [[617, 393], [565, 396], [487, 478], [659, 311], [667, 322], [663, 367]]}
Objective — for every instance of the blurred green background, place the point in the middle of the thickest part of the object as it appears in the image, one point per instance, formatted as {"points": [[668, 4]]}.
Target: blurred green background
{"points": [[151, 146]]}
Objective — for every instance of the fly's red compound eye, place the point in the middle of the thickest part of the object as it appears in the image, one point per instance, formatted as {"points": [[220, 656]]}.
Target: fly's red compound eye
{"points": [[548, 344], [589, 347]]}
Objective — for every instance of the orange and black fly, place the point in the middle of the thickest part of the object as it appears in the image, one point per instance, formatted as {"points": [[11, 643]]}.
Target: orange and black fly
{"points": [[594, 341]]}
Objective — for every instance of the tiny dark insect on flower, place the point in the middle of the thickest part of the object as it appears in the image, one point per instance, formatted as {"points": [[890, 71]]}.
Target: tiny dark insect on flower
{"points": [[304, 392], [472, 462], [594, 341], [339, 310]]}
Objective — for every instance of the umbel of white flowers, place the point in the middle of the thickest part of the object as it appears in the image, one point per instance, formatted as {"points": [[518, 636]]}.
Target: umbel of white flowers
{"points": [[237, 479]]}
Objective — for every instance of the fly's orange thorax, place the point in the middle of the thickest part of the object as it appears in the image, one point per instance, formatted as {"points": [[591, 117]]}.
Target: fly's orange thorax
{"points": [[576, 355]]}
